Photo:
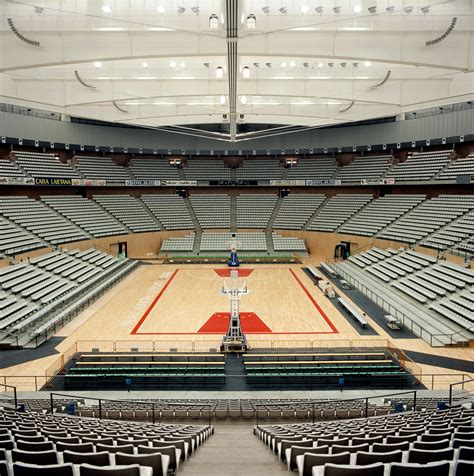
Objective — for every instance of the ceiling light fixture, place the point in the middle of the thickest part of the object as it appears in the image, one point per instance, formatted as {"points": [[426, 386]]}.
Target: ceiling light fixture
{"points": [[372, 9], [172, 64], [390, 9], [336, 10], [106, 8], [283, 10], [243, 99], [283, 64], [213, 22], [292, 64], [145, 64], [357, 9], [408, 10], [222, 99], [160, 9], [319, 10], [256, 65], [246, 72], [98, 64], [268, 65], [304, 9], [425, 10], [266, 10], [182, 64], [219, 72], [180, 10], [367, 64], [320, 65], [251, 21], [195, 10]]}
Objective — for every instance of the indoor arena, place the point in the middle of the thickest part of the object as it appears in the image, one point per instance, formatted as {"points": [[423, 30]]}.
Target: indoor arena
{"points": [[236, 237]]}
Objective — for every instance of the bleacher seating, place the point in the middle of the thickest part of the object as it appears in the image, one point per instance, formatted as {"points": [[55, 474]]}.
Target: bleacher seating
{"points": [[37, 164], [153, 169], [86, 214], [39, 219], [254, 242], [169, 210], [460, 166], [178, 244], [428, 217], [94, 446], [212, 210], [255, 210], [260, 169], [337, 210], [129, 210], [297, 209], [14, 239], [381, 212], [288, 243], [33, 293], [313, 168], [420, 285], [206, 169], [406, 443], [8, 168], [364, 168], [101, 168], [420, 166]]}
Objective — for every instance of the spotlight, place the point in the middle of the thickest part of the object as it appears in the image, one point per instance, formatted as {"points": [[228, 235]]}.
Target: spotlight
{"points": [[160, 9], [180, 10], [206, 65], [246, 72], [145, 64], [320, 65], [39, 10], [336, 10], [256, 65], [357, 9], [222, 99], [331, 65], [172, 64], [390, 9], [243, 99], [319, 10], [283, 64], [213, 22], [304, 9], [107, 9], [219, 72], [195, 10], [98, 64], [408, 10], [356, 65], [425, 10], [251, 22], [292, 64], [367, 64], [305, 65], [182, 64], [343, 65], [268, 65], [266, 10], [283, 10], [372, 10]]}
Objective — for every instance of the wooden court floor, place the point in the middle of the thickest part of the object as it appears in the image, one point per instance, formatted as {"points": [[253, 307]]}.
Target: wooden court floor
{"points": [[175, 303]]}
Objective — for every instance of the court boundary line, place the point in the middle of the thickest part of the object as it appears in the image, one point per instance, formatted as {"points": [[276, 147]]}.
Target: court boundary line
{"points": [[168, 282]]}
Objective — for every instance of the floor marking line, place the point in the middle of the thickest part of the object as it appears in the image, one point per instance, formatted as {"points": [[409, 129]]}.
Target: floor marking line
{"points": [[152, 305], [315, 304]]}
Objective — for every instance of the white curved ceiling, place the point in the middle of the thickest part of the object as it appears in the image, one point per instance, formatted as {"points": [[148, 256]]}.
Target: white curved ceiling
{"points": [[149, 65]]}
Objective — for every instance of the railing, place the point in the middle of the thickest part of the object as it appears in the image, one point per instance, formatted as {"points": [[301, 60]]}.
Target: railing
{"points": [[12, 389], [463, 386], [313, 404], [415, 328], [154, 406], [463, 333]]}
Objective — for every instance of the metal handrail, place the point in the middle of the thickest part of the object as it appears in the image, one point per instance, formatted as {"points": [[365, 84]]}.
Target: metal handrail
{"points": [[134, 402], [15, 397], [463, 382], [338, 401]]}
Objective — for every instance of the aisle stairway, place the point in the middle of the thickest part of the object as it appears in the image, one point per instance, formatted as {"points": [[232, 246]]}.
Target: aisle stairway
{"points": [[232, 451]]}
